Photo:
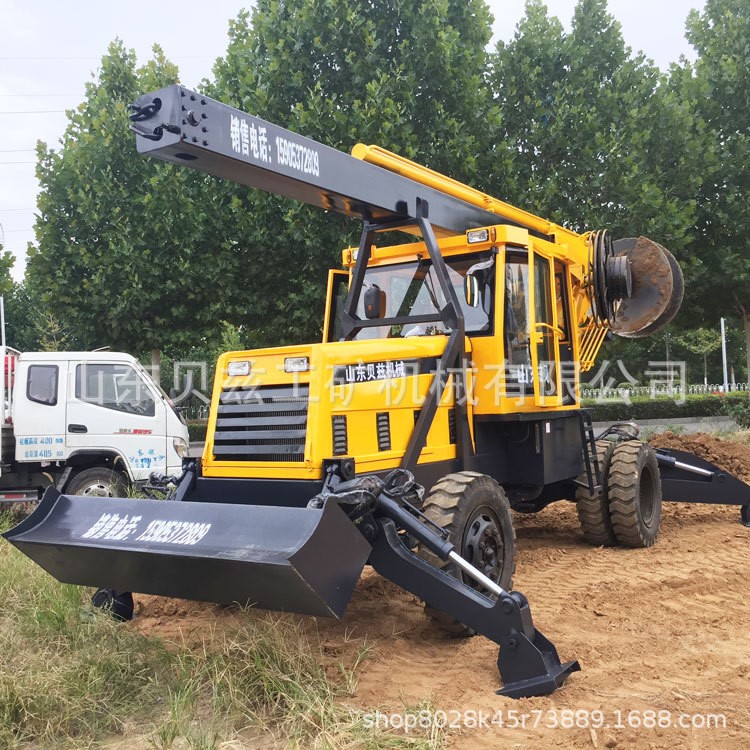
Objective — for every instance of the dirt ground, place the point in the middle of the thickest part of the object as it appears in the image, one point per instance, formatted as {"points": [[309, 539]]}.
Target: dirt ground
{"points": [[660, 635]]}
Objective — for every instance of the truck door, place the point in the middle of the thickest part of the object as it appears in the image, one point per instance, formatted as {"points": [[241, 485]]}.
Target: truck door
{"points": [[111, 406], [39, 411], [545, 332]]}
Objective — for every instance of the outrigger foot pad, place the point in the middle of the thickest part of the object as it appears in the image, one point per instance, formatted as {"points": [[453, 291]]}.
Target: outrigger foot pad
{"points": [[119, 603], [531, 667]]}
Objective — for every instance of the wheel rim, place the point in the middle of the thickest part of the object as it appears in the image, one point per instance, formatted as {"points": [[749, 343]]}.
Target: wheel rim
{"points": [[647, 492], [97, 489], [483, 544]]}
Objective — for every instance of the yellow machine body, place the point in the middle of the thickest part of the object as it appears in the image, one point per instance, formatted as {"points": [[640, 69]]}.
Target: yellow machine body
{"points": [[542, 287]]}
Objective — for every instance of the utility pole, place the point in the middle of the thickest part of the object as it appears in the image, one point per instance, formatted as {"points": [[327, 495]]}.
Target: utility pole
{"points": [[724, 355]]}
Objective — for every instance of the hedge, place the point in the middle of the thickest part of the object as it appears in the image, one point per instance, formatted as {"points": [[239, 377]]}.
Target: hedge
{"points": [[197, 430], [665, 408]]}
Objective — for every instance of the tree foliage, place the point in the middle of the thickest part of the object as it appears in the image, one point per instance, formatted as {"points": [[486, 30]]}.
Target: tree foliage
{"points": [[405, 74], [573, 126], [598, 138], [718, 87], [129, 252]]}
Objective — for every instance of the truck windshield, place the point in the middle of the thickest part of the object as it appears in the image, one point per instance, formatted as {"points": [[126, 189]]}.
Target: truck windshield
{"points": [[413, 289]]}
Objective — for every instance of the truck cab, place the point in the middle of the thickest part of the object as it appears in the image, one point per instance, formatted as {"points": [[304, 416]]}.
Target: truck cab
{"points": [[87, 422]]}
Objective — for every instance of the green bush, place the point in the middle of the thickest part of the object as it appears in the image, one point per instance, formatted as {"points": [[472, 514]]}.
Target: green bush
{"points": [[197, 430], [740, 413], [666, 408]]}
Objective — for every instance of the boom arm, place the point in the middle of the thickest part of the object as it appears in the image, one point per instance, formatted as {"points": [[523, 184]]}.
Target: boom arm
{"points": [[183, 127], [635, 290]]}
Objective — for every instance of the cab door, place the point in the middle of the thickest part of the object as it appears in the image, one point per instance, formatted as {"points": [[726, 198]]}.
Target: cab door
{"points": [[111, 406], [546, 331], [338, 288], [39, 410]]}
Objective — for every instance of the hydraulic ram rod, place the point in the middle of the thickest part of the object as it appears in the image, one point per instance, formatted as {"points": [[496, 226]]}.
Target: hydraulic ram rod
{"points": [[181, 126]]}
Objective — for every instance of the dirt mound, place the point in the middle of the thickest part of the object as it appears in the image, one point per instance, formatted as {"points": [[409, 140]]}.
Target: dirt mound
{"points": [[734, 458]]}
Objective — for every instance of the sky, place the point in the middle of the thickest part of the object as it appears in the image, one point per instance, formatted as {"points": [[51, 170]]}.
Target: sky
{"points": [[50, 49]]}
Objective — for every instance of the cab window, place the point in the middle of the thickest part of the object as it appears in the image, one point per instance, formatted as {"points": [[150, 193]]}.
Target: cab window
{"points": [[413, 289], [41, 384], [117, 387]]}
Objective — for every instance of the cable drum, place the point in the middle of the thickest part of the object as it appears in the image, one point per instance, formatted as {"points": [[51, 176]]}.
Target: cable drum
{"points": [[636, 285], [610, 277], [657, 288]]}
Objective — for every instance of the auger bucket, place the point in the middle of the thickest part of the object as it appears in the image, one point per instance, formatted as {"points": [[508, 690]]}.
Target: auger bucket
{"points": [[304, 560]]}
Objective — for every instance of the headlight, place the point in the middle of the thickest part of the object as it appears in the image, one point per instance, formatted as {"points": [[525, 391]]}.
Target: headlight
{"points": [[296, 364], [235, 369], [477, 235], [180, 447]]}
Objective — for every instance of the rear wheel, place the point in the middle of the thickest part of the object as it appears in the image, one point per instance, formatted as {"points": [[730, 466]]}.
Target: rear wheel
{"points": [[474, 511], [634, 493], [593, 508], [97, 481]]}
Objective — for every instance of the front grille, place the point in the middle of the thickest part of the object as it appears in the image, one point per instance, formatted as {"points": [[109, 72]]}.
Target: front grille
{"points": [[262, 423]]}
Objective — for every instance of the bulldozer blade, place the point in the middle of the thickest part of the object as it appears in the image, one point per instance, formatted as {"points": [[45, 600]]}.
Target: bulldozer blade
{"points": [[303, 560]]}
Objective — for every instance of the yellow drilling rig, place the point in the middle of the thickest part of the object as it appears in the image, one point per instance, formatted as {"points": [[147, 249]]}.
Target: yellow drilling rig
{"points": [[445, 393]]}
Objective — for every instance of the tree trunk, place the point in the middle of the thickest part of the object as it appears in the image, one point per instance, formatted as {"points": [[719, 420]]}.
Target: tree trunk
{"points": [[156, 365]]}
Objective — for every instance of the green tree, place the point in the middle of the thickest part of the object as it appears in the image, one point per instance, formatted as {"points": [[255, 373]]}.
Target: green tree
{"points": [[130, 251], [700, 341], [408, 75], [6, 265], [599, 140], [21, 319], [718, 88]]}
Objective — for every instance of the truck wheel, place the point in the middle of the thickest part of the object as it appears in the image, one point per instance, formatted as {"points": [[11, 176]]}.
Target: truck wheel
{"points": [[593, 509], [97, 482], [634, 493], [474, 511]]}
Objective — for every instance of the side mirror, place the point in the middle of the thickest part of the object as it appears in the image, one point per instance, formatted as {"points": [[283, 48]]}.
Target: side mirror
{"points": [[471, 289], [471, 281], [374, 299]]}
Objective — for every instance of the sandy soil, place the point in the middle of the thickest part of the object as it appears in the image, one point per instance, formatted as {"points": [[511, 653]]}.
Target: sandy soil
{"points": [[660, 635]]}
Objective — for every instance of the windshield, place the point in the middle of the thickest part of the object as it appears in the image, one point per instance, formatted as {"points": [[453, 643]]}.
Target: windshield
{"points": [[413, 289]]}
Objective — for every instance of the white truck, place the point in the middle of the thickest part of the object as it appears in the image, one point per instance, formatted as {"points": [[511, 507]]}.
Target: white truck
{"points": [[89, 423]]}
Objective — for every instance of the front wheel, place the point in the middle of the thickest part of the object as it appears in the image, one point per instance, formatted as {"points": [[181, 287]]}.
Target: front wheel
{"points": [[97, 481], [474, 511]]}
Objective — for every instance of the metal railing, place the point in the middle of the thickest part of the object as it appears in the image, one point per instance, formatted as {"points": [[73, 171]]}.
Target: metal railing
{"points": [[676, 391]]}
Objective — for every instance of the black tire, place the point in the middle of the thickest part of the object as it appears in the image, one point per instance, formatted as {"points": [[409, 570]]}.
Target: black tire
{"points": [[474, 511], [97, 482], [634, 493], [593, 508]]}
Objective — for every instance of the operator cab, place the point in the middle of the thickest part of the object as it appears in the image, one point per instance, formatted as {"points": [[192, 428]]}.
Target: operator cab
{"points": [[525, 342]]}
